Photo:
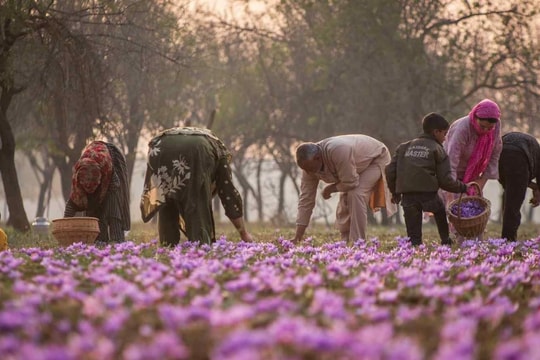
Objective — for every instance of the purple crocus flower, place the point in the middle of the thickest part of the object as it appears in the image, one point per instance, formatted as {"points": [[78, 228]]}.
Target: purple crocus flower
{"points": [[469, 208]]}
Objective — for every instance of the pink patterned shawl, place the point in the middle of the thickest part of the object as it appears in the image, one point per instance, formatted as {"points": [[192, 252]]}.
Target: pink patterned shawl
{"points": [[486, 139]]}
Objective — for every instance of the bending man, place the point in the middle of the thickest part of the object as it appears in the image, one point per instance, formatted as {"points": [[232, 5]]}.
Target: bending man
{"points": [[352, 165]]}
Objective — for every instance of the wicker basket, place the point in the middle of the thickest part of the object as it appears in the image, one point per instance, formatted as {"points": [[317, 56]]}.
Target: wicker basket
{"points": [[75, 229], [474, 226]]}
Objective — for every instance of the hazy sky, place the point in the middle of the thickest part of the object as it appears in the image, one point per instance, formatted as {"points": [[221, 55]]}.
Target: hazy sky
{"points": [[224, 6]]}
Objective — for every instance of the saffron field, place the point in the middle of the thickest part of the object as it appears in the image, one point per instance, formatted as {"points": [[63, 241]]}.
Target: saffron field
{"points": [[271, 299]]}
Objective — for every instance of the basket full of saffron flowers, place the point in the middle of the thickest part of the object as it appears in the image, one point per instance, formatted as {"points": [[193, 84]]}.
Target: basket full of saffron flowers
{"points": [[469, 214]]}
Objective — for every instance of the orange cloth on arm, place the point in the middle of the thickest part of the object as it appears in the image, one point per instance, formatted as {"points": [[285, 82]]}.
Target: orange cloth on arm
{"points": [[377, 199]]}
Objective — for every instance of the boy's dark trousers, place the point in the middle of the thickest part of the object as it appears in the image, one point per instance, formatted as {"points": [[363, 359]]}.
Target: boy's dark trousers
{"points": [[514, 177], [414, 204]]}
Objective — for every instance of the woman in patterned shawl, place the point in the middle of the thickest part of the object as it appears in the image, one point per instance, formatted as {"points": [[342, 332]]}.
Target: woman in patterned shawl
{"points": [[186, 167], [100, 188]]}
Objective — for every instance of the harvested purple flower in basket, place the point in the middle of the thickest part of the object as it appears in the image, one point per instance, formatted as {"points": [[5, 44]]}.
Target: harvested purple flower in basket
{"points": [[469, 215], [469, 208]]}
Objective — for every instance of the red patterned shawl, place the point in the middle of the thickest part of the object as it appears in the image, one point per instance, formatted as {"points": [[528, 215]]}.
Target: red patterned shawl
{"points": [[94, 168]]}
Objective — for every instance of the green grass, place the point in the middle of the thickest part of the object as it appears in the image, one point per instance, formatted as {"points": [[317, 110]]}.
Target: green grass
{"points": [[386, 234], [141, 232]]}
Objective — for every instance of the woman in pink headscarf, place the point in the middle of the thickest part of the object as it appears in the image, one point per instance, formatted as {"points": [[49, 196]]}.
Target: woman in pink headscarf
{"points": [[474, 145]]}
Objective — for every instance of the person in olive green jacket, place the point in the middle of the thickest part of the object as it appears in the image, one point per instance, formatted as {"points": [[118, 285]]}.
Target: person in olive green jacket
{"points": [[186, 167], [417, 170]]}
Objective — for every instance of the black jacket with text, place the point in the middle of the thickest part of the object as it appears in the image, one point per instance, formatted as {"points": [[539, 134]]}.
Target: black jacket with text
{"points": [[421, 165]]}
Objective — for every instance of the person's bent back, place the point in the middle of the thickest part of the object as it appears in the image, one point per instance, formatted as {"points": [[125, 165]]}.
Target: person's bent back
{"points": [[186, 168]]}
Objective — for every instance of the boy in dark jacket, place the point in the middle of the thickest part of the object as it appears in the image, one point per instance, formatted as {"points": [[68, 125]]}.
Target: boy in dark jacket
{"points": [[418, 169]]}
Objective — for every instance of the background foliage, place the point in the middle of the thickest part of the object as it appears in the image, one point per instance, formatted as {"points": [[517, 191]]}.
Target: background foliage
{"points": [[72, 71]]}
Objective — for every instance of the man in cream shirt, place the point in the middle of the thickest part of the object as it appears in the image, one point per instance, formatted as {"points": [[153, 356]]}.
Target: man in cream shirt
{"points": [[352, 165]]}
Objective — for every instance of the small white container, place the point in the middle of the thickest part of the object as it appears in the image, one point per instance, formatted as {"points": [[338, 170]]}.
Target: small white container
{"points": [[41, 226]]}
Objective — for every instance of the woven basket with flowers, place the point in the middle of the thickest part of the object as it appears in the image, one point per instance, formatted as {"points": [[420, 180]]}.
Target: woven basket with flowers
{"points": [[469, 214]]}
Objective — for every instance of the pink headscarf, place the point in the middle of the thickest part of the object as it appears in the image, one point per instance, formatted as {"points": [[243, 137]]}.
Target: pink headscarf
{"points": [[481, 155]]}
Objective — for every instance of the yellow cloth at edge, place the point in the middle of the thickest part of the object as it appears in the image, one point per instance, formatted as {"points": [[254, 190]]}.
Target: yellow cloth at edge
{"points": [[3, 240]]}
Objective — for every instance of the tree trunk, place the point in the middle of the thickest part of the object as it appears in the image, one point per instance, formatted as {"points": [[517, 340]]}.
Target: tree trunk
{"points": [[133, 130], [66, 174], [246, 190], [44, 175], [44, 191], [260, 210], [245, 193], [14, 200], [17, 214], [281, 198]]}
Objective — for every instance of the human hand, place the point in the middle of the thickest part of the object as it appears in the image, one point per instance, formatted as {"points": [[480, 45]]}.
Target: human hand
{"points": [[474, 188], [241, 228], [327, 192]]}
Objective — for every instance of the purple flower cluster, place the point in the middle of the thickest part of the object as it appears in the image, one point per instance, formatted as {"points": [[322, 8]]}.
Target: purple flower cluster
{"points": [[469, 208], [271, 300]]}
